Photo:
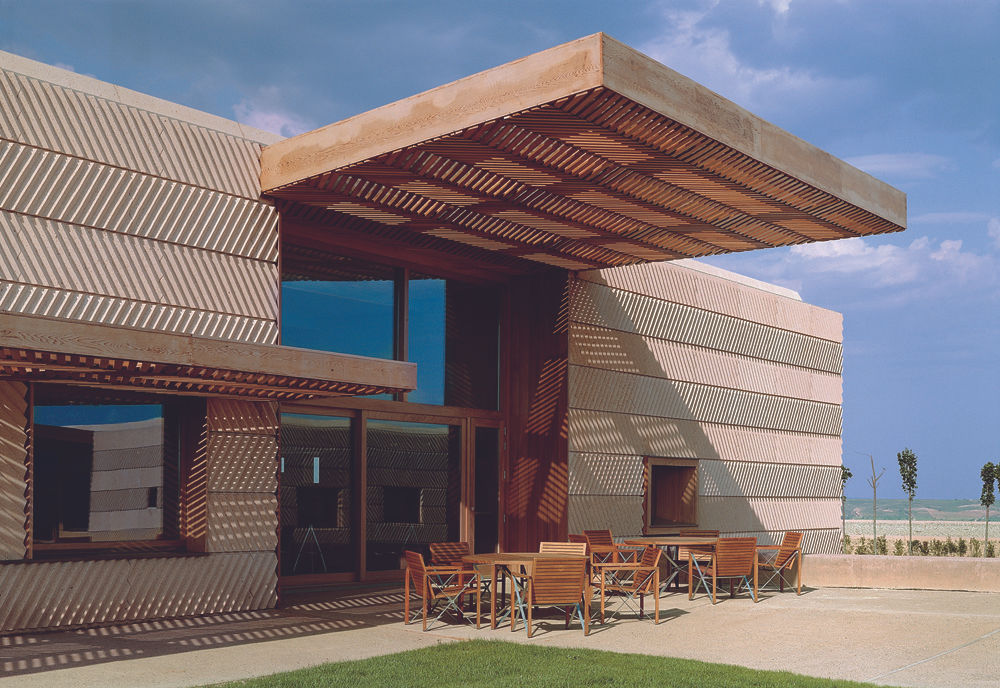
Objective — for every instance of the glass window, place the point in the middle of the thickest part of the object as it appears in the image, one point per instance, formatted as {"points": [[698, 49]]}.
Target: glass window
{"points": [[414, 489], [335, 303], [104, 469], [454, 340], [315, 493]]}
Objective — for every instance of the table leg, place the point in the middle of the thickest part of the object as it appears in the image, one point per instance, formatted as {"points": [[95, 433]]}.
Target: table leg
{"points": [[493, 600]]}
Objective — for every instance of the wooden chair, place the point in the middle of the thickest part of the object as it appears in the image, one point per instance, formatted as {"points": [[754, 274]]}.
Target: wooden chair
{"points": [[604, 550], [703, 553], [734, 558], [631, 581], [788, 554], [559, 583], [448, 553], [435, 584], [574, 549]]}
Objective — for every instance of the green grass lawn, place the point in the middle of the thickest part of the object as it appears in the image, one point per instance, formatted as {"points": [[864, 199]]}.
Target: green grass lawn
{"points": [[511, 665]]}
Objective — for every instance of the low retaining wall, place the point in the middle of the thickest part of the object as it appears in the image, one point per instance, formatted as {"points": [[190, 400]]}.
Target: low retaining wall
{"points": [[901, 573]]}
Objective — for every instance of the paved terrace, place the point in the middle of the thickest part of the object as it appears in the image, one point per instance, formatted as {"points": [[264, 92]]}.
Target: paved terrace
{"points": [[892, 637]]}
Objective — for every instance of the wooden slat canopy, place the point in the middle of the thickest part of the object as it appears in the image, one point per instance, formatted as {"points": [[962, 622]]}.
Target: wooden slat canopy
{"points": [[53, 350], [586, 155]]}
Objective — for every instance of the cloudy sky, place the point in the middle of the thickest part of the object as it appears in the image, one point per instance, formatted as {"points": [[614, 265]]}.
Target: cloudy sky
{"points": [[908, 91]]}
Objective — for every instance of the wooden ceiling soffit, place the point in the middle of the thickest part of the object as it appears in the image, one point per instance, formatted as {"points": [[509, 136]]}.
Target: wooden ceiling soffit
{"points": [[586, 155], [51, 350]]}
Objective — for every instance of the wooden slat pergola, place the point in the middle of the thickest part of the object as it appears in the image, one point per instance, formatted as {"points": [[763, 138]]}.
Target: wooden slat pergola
{"points": [[50, 350], [587, 155]]}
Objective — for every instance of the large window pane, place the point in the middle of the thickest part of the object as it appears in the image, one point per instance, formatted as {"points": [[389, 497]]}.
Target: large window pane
{"points": [[454, 340], [103, 471], [335, 303], [316, 487], [414, 489]]}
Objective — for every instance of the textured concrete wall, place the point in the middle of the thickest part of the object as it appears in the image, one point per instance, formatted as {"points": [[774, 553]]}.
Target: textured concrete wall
{"points": [[236, 572], [673, 360], [901, 573], [123, 209]]}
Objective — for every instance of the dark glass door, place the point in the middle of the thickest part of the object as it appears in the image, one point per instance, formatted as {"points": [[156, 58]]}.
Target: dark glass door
{"points": [[487, 479]]}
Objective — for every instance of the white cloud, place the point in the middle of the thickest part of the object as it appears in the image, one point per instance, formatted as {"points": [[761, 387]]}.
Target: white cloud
{"points": [[263, 110], [704, 53], [905, 165], [993, 229], [778, 6]]}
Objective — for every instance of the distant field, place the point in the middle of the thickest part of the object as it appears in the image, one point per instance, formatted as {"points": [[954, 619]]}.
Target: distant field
{"points": [[923, 510], [924, 530]]}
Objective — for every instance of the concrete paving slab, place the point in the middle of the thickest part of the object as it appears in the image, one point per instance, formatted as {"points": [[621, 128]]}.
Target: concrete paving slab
{"points": [[892, 637]]}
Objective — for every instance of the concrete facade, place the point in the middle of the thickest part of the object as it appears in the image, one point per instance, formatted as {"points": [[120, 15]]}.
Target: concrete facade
{"points": [[123, 210], [680, 360]]}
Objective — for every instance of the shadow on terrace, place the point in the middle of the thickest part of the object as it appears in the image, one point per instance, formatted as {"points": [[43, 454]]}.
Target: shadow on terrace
{"points": [[302, 613]]}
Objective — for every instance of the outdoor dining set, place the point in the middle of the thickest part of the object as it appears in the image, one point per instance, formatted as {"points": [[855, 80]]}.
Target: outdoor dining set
{"points": [[570, 575]]}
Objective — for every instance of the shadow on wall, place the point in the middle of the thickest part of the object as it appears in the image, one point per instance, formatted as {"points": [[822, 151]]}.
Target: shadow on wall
{"points": [[623, 408]]}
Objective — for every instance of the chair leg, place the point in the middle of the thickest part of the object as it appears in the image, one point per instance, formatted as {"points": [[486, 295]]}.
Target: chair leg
{"points": [[424, 603], [713, 586], [798, 574], [656, 595], [406, 597], [529, 617]]}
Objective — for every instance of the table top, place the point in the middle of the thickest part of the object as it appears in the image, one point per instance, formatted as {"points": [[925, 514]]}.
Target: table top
{"points": [[506, 558], [663, 540]]}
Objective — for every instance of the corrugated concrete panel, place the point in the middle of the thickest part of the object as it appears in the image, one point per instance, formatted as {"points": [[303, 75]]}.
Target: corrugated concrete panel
{"points": [[623, 515], [81, 192], [602, 390], [29, 299], [52, 594], [612, 433], [678, 282], [64, 256], [232, 415], [599, 347], [603, 306], [605, 474], [242, 462], [815, 541], [13, 471], [615, 474], [242, 522], [763, 513], [104, 130], [757, 479]]}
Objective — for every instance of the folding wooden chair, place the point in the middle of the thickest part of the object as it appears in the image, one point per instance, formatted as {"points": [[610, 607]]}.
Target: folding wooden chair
{"points": [[787, 555], [561, 583], [735, 559], [436, 584], [570, 548], [632, 580], [604, 550]]}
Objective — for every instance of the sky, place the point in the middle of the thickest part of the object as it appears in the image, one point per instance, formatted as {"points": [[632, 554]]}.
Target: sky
{"points": [[908, 91]]}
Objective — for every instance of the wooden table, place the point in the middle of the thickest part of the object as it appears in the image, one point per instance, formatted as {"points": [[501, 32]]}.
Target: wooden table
{"points": [[507, 561], [673, 542]]}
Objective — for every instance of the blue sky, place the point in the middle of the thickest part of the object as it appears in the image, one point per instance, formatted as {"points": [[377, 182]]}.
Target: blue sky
{"points": [[908, 91]]}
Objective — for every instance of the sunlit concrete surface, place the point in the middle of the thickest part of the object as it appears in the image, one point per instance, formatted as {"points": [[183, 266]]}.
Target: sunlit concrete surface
{"points": [[891, 637]]}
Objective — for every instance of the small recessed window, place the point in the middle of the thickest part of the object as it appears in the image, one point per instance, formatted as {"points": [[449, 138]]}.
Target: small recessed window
{"points": [[671, 493], [401, 505]]}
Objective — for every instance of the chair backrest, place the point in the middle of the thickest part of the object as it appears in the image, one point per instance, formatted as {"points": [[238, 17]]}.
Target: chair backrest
{"points": [[600, 538], [650, 559], [735, 556], [415, 568], [696, 549], [580, 537], [789, 544], [571, 548], [558, 581], [448, 553]]}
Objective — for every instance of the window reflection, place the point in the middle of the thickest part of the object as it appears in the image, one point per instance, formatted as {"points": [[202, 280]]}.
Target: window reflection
{"points": [[315, 493], [414, 489]]}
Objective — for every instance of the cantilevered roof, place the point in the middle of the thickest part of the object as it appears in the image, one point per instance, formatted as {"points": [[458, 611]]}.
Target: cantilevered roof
{"points": [[42, 349], [586, 155]]}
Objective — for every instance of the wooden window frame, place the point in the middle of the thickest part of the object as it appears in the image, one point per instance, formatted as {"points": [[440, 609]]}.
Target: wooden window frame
{"points": [[649, 464]]}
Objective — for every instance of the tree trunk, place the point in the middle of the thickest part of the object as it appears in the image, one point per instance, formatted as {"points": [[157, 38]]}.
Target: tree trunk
{"points": [[909, 514], [986, 542], [874, 518]]}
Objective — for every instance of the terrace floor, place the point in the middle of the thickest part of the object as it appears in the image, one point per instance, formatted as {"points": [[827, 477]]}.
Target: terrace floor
{"points": [[892, 637]]}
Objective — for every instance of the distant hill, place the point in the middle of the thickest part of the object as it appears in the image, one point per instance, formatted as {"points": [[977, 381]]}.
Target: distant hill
{"points": [[923, 510]]}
